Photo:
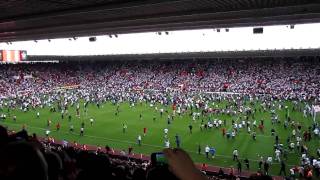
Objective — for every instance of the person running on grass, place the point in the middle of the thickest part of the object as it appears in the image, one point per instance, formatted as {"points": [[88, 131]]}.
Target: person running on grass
{"points": [[207, 150], [167, 143], [81, 131], [177, 140], [71, 128], [246, 162], [235, 154], [166, 130], [124, 128], [47, 132], [212, 152], [199, 149], [144, 131], [91, 121], [190, 128], [139, 140], [58, 126], [48, 123]]}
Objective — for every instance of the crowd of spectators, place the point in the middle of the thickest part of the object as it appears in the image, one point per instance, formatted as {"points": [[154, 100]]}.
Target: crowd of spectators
{"points": [[279, 78]]}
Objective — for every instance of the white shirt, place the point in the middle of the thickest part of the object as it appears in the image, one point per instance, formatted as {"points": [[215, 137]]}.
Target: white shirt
{"points": [[139, 138], [235, 152], [314, 162], [233, 134], [207, 149], [292, 171], [277, 152], [299, 139], [166, 131], [292, 145], [167, 144], [47, 132]]}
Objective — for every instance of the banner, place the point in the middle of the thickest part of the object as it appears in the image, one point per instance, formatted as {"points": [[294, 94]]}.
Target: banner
{"points": [[12, 56]]}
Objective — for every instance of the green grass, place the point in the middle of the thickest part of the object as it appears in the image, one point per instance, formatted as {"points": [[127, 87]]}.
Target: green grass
{"points": [[107, 130]]}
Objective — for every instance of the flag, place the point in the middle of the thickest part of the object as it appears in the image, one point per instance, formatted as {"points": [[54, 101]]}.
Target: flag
{"points": [[13, 56]]}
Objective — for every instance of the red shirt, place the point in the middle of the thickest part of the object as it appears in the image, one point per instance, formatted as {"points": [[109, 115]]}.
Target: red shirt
{"points": [[204, 167], [174, 107], [144, 130]]}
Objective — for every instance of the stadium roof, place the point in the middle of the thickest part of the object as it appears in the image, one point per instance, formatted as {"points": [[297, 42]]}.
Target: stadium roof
{"points": [[44, 19], [204, 41], [276, 54]]}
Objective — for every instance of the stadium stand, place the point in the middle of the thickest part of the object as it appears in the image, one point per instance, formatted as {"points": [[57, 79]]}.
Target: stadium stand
{"points": [[294, 79]]}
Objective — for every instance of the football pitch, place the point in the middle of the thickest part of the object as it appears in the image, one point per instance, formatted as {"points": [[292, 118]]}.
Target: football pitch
{"points": [[107, 129]]}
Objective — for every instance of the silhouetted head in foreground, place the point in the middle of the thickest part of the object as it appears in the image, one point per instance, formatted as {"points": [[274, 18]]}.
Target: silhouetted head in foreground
{"points": [[22, 161], [3, 136]]}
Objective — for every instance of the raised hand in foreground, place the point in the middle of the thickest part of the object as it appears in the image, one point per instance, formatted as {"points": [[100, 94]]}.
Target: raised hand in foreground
{"points": [[181, 165]]}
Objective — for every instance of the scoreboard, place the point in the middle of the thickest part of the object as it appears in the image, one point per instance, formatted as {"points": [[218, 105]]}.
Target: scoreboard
{"points": [[12, 56]]}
